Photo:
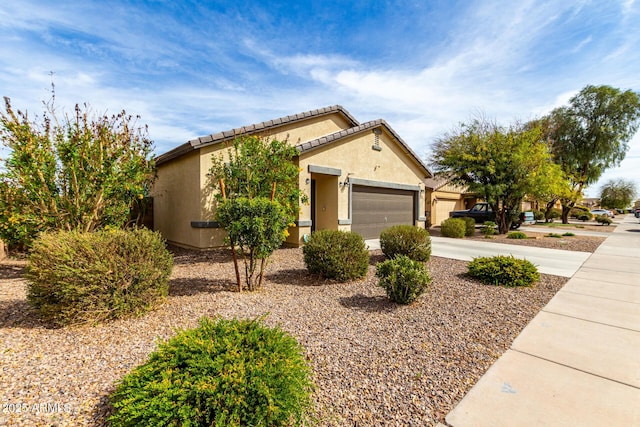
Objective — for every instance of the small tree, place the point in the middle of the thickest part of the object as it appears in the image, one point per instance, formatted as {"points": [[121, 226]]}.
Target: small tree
{"points": [[80, 172], [251, 165], [617, 194], [258, 198], [502, 165], [257, 227]]}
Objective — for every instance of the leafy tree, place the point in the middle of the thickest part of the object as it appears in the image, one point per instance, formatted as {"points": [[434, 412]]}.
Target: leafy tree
{"points": [[258, 227], [81, 172], [617, 194], [502, 165], [252, 164], [591, 134], [258, 198]]}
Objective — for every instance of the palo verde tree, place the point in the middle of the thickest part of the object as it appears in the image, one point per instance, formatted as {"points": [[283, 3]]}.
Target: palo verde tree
{"points": [[502, 165], [76, 172], [258, 198], [617, 194], [591, 134]]}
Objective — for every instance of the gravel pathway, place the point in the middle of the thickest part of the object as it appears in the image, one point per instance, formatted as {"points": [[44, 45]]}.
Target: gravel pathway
{"points": [[375, 363]]}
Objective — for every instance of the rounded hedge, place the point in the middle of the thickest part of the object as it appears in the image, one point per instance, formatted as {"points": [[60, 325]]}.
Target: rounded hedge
{"points": [[403, 279], [76, 277], [603, 220], [453, 227], [223, 373], [335, 254], [408, 240], [489, 228], [517, 235], [470, 224], [504, 271]]}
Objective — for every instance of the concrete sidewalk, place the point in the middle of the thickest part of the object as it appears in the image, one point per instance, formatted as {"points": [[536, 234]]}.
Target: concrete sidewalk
{"points": [[577, 363]]}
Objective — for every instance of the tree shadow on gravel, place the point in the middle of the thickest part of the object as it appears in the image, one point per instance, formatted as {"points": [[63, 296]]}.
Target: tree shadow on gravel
{"points": [[376, 257], [11, 271], [194, 286], [295, 277], [19, 314], [102, 411], [191, 256], [368, 303]]}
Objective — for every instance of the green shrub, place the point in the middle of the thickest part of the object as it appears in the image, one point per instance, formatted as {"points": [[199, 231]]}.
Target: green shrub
{"points": [[553, 214], [257, 227], [584, 216], [568, 234], [453, 227], [554, 235], [504, 271], [335, 254], [403, 279], [223, 373], [78, 277], [471, 226], [489, 229], [408, 240], [603, 220], [517, 235], [538, 215]]}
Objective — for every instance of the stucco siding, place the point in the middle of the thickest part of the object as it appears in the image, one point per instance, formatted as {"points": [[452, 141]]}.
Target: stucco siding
{"points": [[176, 200]]}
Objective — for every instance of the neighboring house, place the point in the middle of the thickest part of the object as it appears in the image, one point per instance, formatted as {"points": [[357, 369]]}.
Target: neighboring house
{"points": [[590, 202], [360, 177], [444, 197]]}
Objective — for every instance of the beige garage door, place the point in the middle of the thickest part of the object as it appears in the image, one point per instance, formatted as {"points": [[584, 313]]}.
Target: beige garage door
{"points": [[443, 207], [374, 209]]}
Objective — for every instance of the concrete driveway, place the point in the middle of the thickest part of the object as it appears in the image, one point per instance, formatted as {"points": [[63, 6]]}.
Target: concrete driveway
{"points": [[549, 261]]}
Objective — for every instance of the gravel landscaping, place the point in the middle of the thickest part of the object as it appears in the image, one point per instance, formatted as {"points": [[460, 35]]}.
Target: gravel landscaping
{"points": [[375, 363]]}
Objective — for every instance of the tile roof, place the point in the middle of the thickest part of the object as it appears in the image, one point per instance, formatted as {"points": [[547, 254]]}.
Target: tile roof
{"points": [[355, 128], [327, 139], [229, 135]]}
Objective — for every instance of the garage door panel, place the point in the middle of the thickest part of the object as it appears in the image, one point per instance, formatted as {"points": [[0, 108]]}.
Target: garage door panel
{"points": [[443, 207], [374, 209]]}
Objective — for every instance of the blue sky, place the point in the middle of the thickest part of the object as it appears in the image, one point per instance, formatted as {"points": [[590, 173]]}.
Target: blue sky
{"points": [[191, 68]]}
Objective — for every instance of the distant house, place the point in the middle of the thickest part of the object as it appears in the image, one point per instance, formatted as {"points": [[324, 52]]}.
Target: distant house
{"points": [[360, 177], [444, 197], [590, 202]]}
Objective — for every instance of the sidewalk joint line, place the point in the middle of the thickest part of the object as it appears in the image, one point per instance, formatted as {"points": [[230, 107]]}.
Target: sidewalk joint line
{"points": [[597, 296], [577, 369], [591, 321]]}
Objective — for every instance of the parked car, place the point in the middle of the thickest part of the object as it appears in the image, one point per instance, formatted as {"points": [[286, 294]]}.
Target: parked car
{"points": [[637, 213], [482, 212], [527, 218], [605, 212]]}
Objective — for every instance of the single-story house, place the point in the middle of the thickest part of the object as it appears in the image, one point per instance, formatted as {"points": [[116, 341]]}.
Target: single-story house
{"points": [[359, 177], [443, 197]]}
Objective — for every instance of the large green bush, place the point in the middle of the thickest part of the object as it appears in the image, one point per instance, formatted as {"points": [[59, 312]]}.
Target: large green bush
{"points": [[603, 220], [223, 373], [408, 240], [80, 171], [335, 254], [504, 271], [453, 227], [403, 279], [78, 277], [470, 224]]}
